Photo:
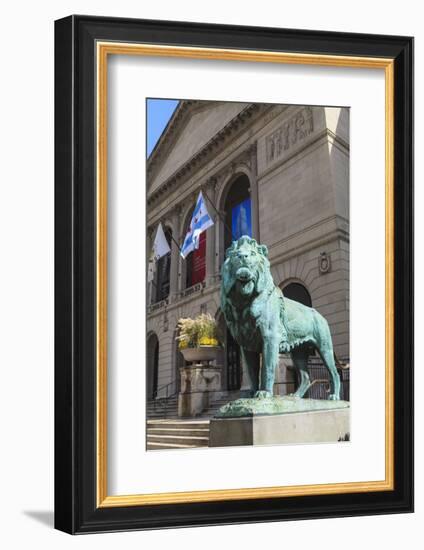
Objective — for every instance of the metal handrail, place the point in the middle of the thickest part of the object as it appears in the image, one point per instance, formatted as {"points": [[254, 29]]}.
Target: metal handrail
{"points": [[167, 396], [320, 381]]}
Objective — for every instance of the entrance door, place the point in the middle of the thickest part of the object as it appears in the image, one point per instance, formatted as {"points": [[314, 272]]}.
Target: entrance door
{"points": [[233, 363], [152, 366]]}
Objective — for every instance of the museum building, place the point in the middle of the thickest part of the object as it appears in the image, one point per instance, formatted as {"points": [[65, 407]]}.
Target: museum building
{"points": [[279, 173]]}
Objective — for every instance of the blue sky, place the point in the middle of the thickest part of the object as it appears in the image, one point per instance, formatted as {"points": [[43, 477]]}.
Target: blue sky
{"points": [[159, 111]]}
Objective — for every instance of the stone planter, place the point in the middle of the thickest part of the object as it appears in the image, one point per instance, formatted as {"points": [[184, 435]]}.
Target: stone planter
{"points": [[200, 354]]}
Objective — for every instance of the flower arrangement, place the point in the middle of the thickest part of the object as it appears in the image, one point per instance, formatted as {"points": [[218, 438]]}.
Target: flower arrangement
{"points": [[200, 331]]}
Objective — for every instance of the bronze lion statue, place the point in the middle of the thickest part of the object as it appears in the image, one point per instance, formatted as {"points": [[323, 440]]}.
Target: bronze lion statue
{"points": [[263, 321]]}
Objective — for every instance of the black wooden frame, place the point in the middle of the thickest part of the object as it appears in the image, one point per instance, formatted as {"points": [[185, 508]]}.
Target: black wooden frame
{"points": [[75, 275]]}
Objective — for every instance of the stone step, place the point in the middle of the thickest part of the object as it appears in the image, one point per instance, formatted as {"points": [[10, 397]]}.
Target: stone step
{"points": [[161, 405], [193, 440], [158, 402], [178, 424], [162, 446], [162, 408], [178, 431], [177, 434], [154, 409], [160, 415], [170, 411]]}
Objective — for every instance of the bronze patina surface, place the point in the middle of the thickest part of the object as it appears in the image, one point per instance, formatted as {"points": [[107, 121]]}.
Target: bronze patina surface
{"points": [[276, 405], [264, 322]]}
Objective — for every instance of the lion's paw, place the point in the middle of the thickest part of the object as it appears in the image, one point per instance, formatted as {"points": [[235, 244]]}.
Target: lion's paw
{"points": [[295, 395], [262, 394], [333, 397]]}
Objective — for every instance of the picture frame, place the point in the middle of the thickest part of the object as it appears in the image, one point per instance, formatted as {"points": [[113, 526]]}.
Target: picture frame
{"points": [[83, 45]]}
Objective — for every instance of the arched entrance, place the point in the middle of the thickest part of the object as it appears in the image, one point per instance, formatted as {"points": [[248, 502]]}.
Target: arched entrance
{"points": [[234, 367], [237, 206], [297, 292], [232, 375], [152, 366]]}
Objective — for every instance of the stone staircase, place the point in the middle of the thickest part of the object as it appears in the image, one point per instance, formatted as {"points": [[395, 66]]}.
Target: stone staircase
{"points": [[162, 408], [177, 434], [171, 432], [168, 408]]}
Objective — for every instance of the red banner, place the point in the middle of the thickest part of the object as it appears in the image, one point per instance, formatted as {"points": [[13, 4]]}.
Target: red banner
{"points": [[199, 261]]}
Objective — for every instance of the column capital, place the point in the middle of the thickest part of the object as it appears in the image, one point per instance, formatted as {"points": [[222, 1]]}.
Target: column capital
{"points": [[253, 148], [253, 158], [176, 212], [150, 231], [211, 182], [210, 188]]}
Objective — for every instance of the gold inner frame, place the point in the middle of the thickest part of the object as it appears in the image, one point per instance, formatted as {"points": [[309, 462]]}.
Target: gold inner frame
{"points": [[104, 49]]}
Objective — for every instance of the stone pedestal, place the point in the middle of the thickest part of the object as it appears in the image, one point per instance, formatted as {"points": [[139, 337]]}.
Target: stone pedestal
{"points": [[200, 386], [314, 426]]}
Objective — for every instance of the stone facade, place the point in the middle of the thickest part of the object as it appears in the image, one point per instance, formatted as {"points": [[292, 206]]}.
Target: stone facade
{"points": [[296, 161]]}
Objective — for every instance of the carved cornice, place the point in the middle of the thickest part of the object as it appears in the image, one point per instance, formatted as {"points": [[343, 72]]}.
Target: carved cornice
{"points": [[246, 158], [212, 147]]}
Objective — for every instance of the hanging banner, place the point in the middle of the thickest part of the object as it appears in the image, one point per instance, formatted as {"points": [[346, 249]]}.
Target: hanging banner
{"points": [[241, 220], [199, 261]]}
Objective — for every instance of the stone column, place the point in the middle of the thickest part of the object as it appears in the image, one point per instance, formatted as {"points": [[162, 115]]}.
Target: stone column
{"points": [[219, 229], [254, 194], [175, 255], [181, 268], [210, 233], [218, 233]]}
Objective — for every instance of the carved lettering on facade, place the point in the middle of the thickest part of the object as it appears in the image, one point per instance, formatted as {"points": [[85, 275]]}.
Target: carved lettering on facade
{"points": [[291, 132]]}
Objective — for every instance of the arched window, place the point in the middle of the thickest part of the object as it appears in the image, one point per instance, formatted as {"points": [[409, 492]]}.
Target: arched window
{"points": [[298, 293], [163, 268], [196, 260], [238, 211], [152, 366]]}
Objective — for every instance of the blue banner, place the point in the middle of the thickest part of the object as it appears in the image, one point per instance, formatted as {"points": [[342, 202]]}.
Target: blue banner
{"points": [[241, 220]]}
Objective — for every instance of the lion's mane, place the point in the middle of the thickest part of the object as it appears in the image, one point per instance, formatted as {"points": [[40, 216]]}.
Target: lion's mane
{"points": [[263, 285]]}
